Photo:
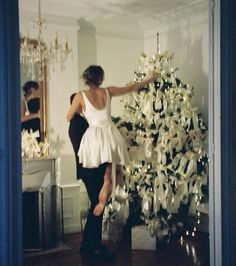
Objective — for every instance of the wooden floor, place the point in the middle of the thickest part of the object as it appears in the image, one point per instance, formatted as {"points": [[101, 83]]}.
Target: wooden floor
{"points": [[193, 251]]}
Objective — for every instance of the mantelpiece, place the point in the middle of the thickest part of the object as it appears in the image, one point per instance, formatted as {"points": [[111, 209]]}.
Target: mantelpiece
{"points": [[36, 165], [42, 203]]}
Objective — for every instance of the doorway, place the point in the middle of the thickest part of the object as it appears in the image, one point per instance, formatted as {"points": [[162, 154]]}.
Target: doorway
{"points": [[215, 201]]}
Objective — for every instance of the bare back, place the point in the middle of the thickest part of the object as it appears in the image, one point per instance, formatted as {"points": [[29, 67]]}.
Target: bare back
{"points": [[97, 97]]}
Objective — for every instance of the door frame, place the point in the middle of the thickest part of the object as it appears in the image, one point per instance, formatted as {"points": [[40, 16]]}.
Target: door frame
{"points": [[220, 182], [214, 147]]}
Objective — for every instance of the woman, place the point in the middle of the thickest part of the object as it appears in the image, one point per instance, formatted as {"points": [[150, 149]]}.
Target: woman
{"points": [[102, 142], [30, 108]]}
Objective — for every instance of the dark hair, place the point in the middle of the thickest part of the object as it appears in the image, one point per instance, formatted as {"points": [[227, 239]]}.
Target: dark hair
{"points": [[93, 75], [28, 85], [72, 97]]}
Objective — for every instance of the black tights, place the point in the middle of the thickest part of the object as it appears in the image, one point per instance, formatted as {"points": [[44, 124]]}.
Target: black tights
{"points": [[93, 228]]}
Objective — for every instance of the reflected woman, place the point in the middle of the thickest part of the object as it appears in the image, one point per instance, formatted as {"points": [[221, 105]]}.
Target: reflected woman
{"points": [[30, 108]]}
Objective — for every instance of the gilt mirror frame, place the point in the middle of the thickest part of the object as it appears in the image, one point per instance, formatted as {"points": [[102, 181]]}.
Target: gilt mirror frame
{"points": [[42, 81]]}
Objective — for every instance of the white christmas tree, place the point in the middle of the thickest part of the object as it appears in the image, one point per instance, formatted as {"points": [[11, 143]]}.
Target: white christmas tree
{"points": [[167, 141]]}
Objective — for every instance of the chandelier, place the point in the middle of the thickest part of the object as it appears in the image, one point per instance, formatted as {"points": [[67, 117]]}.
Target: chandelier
{"points": [[35, 52]]}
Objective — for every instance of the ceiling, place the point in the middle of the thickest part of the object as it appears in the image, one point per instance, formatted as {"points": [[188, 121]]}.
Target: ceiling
{"points": [[140, 11]]}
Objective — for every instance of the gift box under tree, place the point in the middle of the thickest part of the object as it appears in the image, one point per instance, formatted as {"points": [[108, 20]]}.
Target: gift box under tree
{"points": [[141, 238], [112, 231]]}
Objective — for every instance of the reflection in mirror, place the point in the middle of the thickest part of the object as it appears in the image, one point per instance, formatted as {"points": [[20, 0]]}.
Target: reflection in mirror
{"points": [[30, 108], [33, 98]]}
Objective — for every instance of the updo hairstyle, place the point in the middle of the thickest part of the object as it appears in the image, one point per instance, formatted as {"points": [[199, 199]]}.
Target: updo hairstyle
{"points": [[93, 76], [28, 85]]}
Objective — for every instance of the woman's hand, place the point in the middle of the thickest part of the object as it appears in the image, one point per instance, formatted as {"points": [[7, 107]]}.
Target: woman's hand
{"points": [[152, 75]]}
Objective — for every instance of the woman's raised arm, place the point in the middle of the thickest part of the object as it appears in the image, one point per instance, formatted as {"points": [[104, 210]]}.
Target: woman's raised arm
{"points": [[134, 86]]}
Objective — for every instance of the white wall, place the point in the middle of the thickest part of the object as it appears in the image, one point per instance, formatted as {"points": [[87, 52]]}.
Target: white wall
{"points": [[186, 35], [119, 58], [61, 85]]}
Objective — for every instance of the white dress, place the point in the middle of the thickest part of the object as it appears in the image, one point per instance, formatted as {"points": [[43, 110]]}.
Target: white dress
{"points": [[102, 141]]}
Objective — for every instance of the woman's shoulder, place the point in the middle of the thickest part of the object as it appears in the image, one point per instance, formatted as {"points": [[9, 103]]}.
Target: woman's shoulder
{"points": [[103, 89], [107, 91], [79, 94]]}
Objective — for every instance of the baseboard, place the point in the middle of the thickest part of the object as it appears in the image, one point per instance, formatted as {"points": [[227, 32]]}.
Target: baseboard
{"points": [[72, 228]]}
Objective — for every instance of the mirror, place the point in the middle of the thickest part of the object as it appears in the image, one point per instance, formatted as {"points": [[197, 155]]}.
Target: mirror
{"points": [[38, 74]]}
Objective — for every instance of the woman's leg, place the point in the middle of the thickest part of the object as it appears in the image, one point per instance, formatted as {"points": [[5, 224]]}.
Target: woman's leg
{"points": [[105, 192]]}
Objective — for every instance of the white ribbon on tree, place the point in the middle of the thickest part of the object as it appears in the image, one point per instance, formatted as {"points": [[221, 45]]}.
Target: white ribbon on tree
{"points": [[148, 148]]}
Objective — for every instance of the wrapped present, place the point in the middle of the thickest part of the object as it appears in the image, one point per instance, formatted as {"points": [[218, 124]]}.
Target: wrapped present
{"points": [[142, 239], [112, 231]]}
